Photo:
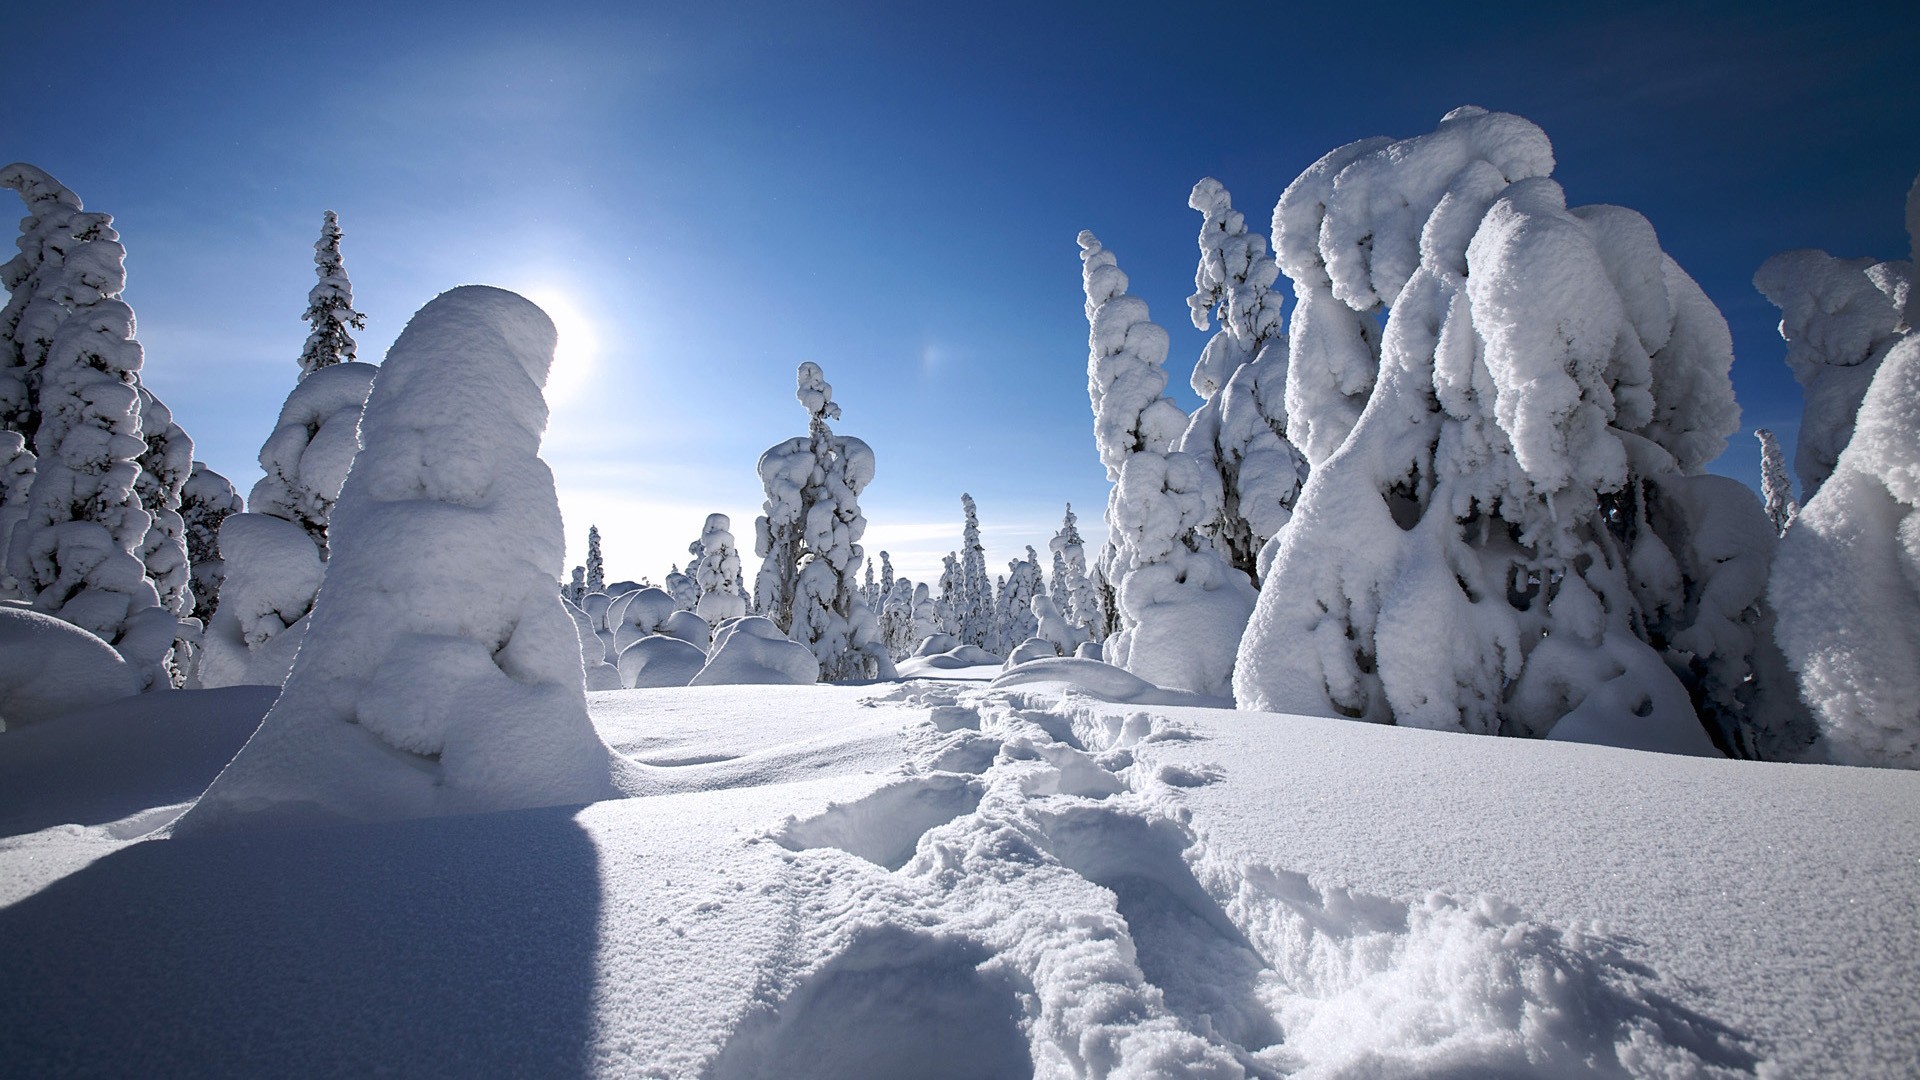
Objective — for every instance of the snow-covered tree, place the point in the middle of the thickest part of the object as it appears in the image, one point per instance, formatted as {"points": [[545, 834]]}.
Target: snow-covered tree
{"points": [[1071, 589], [206, 501], [1014, 617], [1775, 486], [809, 541], [1506, 528], [271, 579], [1840, 318], [576, 589], [1240, 428], [886, 575], [926, 617], [948, 607], [596, 566], [718, 573], [896, 619], [164, 469], [16, 477], [1846, 583], [1181, 605], [329, 305], [974, 608], [71, 375], [440, 674], [684, 590]]}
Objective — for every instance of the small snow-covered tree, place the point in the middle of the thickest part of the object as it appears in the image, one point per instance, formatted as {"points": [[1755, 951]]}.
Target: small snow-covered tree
{"points": [[1775, 486], [896, 620], [1846, 583], [1840, 317], [809, 539], [1240, 428], [926, 617], [576, 589], [949, 604], [164, 469], [1181, 606], [596, 566], [329, 305], [684, 590], [1506, 528], [206, 500], [718, 573], [870, 589], [1016, 621], [16, 477], [1072, 591], [440, 674], [886, 575]]}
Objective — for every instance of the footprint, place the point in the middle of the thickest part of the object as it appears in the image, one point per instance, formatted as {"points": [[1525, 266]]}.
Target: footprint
{"points": [[965, 753], [896, 1003], [953, 717], [1071, 773], [885, 826]]}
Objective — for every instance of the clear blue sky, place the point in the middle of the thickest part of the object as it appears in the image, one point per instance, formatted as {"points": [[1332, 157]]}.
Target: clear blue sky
{"points": [[706, 195]]}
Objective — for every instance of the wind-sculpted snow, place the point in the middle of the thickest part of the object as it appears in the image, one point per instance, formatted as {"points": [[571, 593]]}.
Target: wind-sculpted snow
{"points": [[439, 672]]}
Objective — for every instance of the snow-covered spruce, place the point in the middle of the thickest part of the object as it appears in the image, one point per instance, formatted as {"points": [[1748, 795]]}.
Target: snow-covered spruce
{"points": [[1071, 589], [1846, 584], [16, 478], [596, 566], [1840, 317], [1181, 606], [440, 673], [270, 579], [947, 606], [76, 549], [973, 608], [1775, 486], [896, 620], [1014, 614], [1241, 426], [206, 500], [1514, 532], [809, 541], [330, 310], [683, 588], [718, 573]]}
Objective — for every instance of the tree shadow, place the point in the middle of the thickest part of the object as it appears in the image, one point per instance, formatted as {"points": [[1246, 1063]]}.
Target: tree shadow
{"points": [[449, 946]]}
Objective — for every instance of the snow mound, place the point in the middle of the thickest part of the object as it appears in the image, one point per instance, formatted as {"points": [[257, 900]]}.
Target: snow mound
{"points": [[689, 628], [1097, 679], [935, 644], [50, 668], [753, 650], [273, 573], [659, 660], [440, 672], [1032, 649]]}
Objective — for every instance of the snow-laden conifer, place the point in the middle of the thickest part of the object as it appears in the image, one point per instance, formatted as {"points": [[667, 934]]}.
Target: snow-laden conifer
{"points": [[330, 310], [1775, 486], [16, 477], [974, 608], [1240, 427], [1015, 616], [1181, 605], [718, 573], [1071, 589], [1846, 583], [1840, 318], [896, 619], [809, 540], [948, 605], [596, 566], [76, 550], [1506, 528], [271, 576], [684, 590], [206, 500], [164, 469], [440, 673]]}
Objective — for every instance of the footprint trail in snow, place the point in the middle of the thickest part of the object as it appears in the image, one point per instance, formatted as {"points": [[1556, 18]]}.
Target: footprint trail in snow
{"points": [[1026, 898]]}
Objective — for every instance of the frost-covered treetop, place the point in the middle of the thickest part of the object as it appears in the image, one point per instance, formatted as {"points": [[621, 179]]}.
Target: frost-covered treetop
{"points": [[37, 189], [1233, 280], [329, 305], [1125, 350], [815, 393]]}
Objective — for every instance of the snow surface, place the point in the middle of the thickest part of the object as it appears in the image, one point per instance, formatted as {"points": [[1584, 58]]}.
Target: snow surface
{"points": [[934, 880], [50, 668]]}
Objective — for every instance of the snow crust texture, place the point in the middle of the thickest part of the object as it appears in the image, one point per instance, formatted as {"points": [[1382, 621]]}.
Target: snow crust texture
{"points": [[439, 672]]}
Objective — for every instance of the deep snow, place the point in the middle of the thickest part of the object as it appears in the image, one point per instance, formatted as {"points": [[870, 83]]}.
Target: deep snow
{"points": [[951, 879]]}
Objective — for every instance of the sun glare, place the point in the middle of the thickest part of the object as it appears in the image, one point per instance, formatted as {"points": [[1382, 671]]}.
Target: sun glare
{"points": [[574, 355]]}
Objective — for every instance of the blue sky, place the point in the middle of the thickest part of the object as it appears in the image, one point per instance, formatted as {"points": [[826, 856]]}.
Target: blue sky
{"points": [[706, 195]]}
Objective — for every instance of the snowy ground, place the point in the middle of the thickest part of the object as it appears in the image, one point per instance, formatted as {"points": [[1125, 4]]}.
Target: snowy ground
{"points": [[940, 879]]}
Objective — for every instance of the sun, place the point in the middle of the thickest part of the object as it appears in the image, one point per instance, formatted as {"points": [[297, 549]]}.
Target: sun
{"points": [[577, 348]]}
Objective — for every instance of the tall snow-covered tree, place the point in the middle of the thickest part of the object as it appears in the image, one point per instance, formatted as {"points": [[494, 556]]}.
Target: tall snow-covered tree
{"points": [[1015, 618], [975, 605], [886, 575], [870, 589], [896, 619], [1240, 428], [1846, 583], [950, 602], [809, 540], [718, 573], [1775, 486], [206, 500], [1507, 528], [1181, 605], [926, 617], [71, 376], [164, 469], [440, 673], [329, 305], [596, 566]]}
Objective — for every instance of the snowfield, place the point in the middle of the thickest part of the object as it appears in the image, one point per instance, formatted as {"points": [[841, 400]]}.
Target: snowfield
{"points": [[951, 879]]}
